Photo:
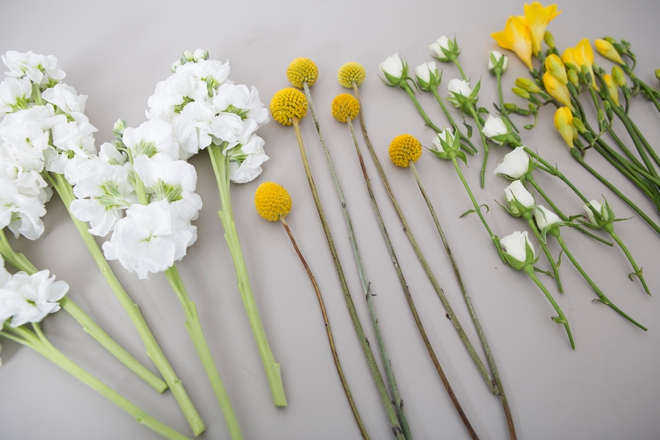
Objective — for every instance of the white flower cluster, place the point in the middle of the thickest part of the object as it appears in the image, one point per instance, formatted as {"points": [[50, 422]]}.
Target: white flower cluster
{"points": [[28, 298], [44, 129], [204, 107]]}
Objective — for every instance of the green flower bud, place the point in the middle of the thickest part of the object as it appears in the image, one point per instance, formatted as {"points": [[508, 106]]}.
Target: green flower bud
{"points": [[528, 85], [657, 73], [579, 125], [521, 92], [573, 77], [619, 78], [549, 39]]}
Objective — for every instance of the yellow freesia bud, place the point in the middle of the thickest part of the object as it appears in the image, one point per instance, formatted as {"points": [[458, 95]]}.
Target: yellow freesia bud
{"points": [[554, 65], [617, 74], [584, 55], [549, 39], [537, 18], [557, 90], [657, 73], [606, 49], [611, 87], [524, 94], [568, 57], [564, 125], [527, 84], [573, 77], [517, 37]]}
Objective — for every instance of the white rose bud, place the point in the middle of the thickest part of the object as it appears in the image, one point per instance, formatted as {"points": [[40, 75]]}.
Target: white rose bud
{"points": [[514, 165], [497, 60], [515, 245], [444, 49], [517, 191], [394, 69], [545, 218], [494, 127], [200, 54]]}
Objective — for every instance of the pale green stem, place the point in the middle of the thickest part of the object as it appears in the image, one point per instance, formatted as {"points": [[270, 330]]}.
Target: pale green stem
{"points": [[459, 67], [364, 343], [41, 345], [272, 368], [366, 285], [610, 230], [395, 261], [475, 116], [421, 111], [154, 351], [466, 144], [555, 268]]}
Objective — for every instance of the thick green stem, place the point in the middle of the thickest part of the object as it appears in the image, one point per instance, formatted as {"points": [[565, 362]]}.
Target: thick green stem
{"points": [[627, 170], [364, 343], [42, 346], [637, 270], [154, 351], [420, 109], [548, 255], [272, 368], [402, 281], [561, 319], [194, 328], [331, 339], [601, 295]]}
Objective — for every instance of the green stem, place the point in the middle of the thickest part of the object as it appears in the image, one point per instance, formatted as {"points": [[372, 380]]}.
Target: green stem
{"points": [[626, 170], [529, 178], [421, 111], [561, 319], [402, 280], [459, 67], [194, 328], [601, 295], [466, 143], [331, 339], [484, 142], [477, 208], [366, 348], [272, 368], [500, 95], [154, 351], [625, 250], [473, 354], [546, 251], [42, 346], [366, 285]]}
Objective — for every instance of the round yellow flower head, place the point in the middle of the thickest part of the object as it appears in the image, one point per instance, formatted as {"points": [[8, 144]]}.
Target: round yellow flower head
{"points": [[403, 149], [350, 73], [345, 107], [272, 201], [302, 70], [287, 104]]}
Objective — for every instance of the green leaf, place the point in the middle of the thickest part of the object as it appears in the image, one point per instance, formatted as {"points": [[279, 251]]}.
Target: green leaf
{"points": [[466, 213], [469, 129]]}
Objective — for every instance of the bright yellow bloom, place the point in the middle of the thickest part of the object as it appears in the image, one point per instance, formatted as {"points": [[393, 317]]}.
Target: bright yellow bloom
{"points": [[584, 55], [564, 125], [302, 70], [554, 65], [612, 87], [568, 57], [537, 18], [606, 49], [517, 37], [345, 107], [350, 73], [287, 104], [272, 201], [557, 90], [403, 149]]}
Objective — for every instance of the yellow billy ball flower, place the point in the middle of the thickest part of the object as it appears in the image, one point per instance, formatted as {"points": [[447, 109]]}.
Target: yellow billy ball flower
{"points": [[537, 18], [611, 87], [302, 70], [554, 65], [403, 149], [606, 49], [564, 125], [272, 201], [517, 37], [350, 73], [557, 90], [287, 104], [345, 107]]}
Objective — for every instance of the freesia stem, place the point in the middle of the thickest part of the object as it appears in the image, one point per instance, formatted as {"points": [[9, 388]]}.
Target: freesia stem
{"points": [[625, 250], [272, 368], [561, 319], [366, 348], [154, 351], [331, 340], [20, 262], [404, 284], [194, 328], [38, 342], [601, 295]]}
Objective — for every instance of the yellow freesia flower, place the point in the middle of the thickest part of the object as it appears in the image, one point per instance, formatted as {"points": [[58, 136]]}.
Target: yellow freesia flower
{"points": [[584, 55], [537, 18], [554, 65], [517, 37], [557, 90], [606, 49], [612, 87], [568, 57], [564, 125]]}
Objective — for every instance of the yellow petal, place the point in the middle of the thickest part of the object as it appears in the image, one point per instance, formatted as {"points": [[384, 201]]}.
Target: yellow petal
{"points": [[564, 125], [612, 87], [584, 53], [554, 65], [537, 18], [557, 90], [568, 57], [606, 49], [516, 36]]}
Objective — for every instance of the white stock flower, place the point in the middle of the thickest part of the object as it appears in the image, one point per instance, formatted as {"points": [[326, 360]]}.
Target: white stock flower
{"points": [[37, 68], [149, 239], [14, 93], [516, 190], [245, 165], [108, 153], [211, 72], [40, 293], [27, 131], [515, 246], [76, 136], [242, 101], [545, 218], [150, 138], [514, 165], [66, 98], [494, 127], [192, 128], [230, 128], [393, 66], [21, 213], [174, 93], [437, 46]]}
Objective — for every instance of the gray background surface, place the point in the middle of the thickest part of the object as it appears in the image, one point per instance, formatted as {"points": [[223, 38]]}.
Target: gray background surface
{"points": [[117, 51]]}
